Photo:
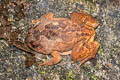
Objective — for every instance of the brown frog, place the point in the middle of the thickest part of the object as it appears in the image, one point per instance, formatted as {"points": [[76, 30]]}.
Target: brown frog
{"points": [[58, 36]]}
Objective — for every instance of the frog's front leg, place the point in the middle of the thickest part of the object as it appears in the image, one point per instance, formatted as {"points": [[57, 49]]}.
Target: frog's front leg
{"points": [[85, 52], [56, 59]]}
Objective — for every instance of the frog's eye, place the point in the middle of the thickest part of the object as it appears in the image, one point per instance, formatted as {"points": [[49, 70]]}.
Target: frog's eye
{"points": [[33, 44], [90, 21]]}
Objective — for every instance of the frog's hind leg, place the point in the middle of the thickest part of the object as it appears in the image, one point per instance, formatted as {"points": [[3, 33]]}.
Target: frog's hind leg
{"points": [[85, 53], [56, 59], [93, 47]]}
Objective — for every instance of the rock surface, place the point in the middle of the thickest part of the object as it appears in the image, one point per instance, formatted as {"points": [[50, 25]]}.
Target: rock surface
{"points": [[106, 64]]}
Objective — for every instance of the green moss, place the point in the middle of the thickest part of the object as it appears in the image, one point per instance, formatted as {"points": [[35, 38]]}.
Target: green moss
{"points": [[100, 51], [30, 0], [69, 76], [93, 77], [114, 49], [42, 72], [99, 66], [75, 0], [89, 4], [89, 67], [84, 1]]}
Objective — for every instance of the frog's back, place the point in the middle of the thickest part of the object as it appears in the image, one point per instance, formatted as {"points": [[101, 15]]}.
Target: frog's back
{"points": [[59, 34]]}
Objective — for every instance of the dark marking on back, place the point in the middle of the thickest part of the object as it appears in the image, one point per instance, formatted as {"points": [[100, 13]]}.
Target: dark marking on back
{"points": [[51, 27], [35, 44], [49, 33], [82, 34], [61, 24], [36, 34], [47, 26]]}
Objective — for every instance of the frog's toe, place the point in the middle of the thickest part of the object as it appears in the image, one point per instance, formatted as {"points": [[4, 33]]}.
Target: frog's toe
{"points": [[56, 59]]}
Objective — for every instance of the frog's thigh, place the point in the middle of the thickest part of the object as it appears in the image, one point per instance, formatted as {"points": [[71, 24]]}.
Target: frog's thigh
{"points": [[56, 59], [86, 52]]}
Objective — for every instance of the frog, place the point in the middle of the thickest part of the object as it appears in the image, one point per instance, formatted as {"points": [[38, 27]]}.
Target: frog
{"points": [[57, 36]]}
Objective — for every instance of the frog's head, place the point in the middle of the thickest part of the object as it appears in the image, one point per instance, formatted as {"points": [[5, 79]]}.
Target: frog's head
{"points": [[84, 18], [91, 21]]}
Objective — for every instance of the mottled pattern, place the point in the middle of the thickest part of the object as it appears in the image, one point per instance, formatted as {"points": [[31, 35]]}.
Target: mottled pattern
{"points": [[59, 34], [104, 66]]}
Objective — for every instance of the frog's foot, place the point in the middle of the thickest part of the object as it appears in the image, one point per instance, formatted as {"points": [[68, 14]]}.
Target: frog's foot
{"points": [[56, 59], [85, 52]]}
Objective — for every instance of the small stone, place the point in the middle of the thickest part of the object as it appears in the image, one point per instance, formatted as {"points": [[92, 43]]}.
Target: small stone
{"points": [[29, 78]]}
